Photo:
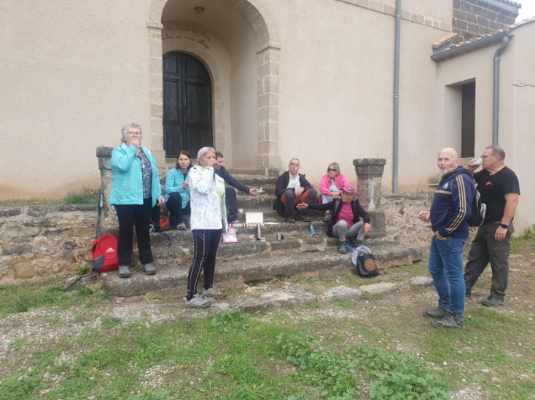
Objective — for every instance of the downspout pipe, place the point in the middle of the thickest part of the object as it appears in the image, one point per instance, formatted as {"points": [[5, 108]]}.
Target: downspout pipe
{"points": [[395, 116], [496, 81]]}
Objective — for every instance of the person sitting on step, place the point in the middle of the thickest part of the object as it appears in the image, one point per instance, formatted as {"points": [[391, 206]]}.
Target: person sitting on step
{"points": [[231, 201], [349, 221], [177, 191], [332, 183], [292, 189]]}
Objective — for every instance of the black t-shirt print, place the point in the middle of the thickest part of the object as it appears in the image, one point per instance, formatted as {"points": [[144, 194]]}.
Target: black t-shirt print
{"points": [[493, 189]]}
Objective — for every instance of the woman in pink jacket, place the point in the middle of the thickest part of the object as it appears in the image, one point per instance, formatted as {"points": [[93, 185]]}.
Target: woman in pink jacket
{"points": [[332, 183]]}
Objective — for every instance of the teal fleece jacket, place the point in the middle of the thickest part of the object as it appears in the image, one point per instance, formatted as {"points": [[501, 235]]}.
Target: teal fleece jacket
{"points": [[127, 180]]}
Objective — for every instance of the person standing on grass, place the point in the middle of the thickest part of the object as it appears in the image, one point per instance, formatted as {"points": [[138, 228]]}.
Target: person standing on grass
{"points": [[135, 190], [231, 184], [500, 191], [452, 203], [208, 219]]}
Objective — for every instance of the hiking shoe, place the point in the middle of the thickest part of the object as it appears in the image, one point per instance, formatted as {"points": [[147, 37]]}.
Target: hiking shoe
{"points": [[436, 312], [449, 321], [342, 248], [149, 269], [198, 301], [492, 301], [182, 227], [210, 293], [124, 271]]}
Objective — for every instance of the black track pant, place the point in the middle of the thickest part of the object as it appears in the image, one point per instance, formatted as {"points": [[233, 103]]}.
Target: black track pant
{"points": [[138, 216], [205, 244]]}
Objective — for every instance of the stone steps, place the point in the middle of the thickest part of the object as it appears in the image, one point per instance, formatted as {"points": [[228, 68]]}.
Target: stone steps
{"points": [[252, 261]]}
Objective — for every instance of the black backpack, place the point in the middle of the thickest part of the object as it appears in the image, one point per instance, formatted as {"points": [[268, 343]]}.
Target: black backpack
{"points": [[479, 210], [364, 262]]}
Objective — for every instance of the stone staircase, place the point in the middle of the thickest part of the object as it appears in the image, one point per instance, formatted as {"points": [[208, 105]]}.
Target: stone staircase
{"points": [[285, 250]]}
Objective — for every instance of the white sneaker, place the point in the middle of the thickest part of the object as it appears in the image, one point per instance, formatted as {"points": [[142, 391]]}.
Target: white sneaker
{"points": [[198, 301]]}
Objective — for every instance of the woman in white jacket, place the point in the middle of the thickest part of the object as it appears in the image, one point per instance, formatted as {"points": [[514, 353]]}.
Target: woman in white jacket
{"points": [[208, 219]]}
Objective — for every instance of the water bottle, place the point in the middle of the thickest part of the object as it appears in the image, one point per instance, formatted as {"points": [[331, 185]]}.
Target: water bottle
{"points": [[312, 230]]}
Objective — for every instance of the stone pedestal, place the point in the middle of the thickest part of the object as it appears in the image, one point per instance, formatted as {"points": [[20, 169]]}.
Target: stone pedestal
{"points": [[108, 219], [370, 174]]}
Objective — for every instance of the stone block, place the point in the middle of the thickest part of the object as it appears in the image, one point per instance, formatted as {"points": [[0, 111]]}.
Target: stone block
{"points": [[10, 212], [421, 281], [379, 288], [342, 292], [24, 270]]}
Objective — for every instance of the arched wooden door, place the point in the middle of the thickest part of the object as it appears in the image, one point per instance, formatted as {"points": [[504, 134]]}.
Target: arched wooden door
{"points": [[187, 116]]}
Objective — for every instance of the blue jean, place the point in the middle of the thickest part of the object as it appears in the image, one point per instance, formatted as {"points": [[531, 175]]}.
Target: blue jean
{"points": [[446, 268]]}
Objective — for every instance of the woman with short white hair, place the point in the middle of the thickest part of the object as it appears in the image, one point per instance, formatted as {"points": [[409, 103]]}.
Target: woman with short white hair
{"points": [[208, 219], [135, 190]]}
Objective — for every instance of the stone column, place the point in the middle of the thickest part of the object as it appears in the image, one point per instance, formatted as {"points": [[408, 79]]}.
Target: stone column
{"points": [[370, 173], [268, 109], [108, 220]]}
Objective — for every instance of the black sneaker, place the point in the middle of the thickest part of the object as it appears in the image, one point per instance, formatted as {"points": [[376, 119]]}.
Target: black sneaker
{"points": [[436, 312], [492, 301], [449, 321]]}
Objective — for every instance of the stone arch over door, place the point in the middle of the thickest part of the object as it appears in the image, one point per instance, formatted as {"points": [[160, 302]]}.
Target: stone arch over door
{"points": [[216, 62], [257, 15]]}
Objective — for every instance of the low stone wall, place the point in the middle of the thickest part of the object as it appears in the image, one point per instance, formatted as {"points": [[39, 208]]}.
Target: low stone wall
{"points": [[402, 223], [38, 243]]}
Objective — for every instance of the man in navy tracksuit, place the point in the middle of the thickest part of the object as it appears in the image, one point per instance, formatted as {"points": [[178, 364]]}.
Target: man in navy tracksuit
{"points": [[452, 204]]}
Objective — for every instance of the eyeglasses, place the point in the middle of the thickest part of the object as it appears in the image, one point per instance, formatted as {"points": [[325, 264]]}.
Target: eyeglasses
{"points": [[332, 169]]}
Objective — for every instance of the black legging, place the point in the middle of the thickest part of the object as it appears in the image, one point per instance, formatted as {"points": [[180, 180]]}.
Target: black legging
{"points": [[205, 244]]}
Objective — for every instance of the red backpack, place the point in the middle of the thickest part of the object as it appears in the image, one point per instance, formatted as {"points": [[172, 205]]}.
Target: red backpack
{"points": [[104, 253]]}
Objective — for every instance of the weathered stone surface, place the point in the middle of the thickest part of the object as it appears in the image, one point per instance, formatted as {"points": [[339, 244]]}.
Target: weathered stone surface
{"points": [[342, 292], [276, 298], [421, 281], [24, 270], [10, 212], [379, 288], [37, 211]]}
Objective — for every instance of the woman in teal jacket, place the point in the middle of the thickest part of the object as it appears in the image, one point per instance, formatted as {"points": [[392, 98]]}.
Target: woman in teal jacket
{"points": [[135, 189], [177, 191]]}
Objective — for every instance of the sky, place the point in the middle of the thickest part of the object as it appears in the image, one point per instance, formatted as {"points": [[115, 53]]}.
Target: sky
{"points": [[527, 10]]}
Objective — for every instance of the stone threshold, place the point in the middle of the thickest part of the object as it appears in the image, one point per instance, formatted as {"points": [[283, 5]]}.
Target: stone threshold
{"points": [[281, 264]]}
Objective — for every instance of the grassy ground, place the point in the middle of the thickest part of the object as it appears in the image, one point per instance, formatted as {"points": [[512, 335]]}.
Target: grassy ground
{"points": [[85, 345], [85, 196]]}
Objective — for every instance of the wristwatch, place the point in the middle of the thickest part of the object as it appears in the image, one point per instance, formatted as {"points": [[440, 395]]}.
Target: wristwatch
{"points": [[504, 226]]}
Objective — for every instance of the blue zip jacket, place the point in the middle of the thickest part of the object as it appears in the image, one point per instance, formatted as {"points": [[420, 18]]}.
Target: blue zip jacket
{"points": [[173, 184], [452, 204], [126, 177]]}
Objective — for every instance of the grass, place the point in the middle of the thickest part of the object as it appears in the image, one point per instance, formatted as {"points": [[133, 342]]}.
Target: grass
{"points": [[86, 196], [228, 357], [18, 299], [521, 242]]}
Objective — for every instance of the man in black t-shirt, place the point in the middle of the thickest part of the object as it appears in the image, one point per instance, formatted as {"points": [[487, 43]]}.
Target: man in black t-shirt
{"points": [[500, 191]]}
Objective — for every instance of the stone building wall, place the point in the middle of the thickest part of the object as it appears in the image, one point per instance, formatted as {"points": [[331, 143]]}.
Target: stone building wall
{"points": [[480, 17]]}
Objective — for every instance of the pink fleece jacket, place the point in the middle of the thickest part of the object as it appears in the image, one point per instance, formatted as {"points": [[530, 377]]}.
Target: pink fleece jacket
{"points": [[340, 181]]}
